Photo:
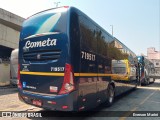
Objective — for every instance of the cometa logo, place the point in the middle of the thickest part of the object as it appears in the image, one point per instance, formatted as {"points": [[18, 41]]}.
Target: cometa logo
{"points": [[48, 42]]}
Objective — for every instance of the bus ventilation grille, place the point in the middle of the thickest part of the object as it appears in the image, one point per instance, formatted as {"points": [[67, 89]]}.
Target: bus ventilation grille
{"points": [[44, 55]]}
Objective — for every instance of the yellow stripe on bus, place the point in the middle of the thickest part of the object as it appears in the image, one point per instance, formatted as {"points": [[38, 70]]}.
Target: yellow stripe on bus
{"points": [[42, 73], [62, 74], [113, 76]]}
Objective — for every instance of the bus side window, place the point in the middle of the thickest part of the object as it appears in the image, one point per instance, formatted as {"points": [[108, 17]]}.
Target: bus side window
{"points": [[75, 41], [88, 34], [74, 28]]}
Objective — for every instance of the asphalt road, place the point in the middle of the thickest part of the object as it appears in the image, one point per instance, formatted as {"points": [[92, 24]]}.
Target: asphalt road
{"points": [[143, 101]]}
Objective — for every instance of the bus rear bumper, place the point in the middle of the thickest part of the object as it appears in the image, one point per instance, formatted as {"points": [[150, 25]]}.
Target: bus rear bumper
{"points": [[57, 103]]}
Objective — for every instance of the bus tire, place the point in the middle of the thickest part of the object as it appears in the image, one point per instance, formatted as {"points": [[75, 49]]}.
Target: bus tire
{"points": [[147, 81], [139, 83], [153, 80], [110, 95]]}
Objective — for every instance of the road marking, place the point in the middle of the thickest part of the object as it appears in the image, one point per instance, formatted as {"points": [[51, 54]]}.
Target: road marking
{"points": [[147, 98], [135, 108], [155, 101], [150, 87]]}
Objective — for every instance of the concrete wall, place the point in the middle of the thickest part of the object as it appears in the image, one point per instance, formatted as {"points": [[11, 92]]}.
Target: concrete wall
{"points": [[4, 73], [10, 26], [9, 37], [10, 19]]}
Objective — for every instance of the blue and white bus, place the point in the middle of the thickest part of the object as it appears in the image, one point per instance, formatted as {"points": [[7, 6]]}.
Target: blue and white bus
{"points": [[65, 62]]}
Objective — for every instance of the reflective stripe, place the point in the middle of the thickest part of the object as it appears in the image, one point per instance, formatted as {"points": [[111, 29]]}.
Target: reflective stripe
{"points": [[41, 73], [62, 74], [114, 76]]}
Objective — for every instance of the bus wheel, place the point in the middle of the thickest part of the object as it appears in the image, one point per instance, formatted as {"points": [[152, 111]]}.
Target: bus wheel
{"points": [[153, 80], [111, 94], [147, 81], [140, 83]]}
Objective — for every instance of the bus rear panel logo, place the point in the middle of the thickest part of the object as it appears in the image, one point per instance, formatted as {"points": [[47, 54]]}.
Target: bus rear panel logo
{"points": [[38, 56]]}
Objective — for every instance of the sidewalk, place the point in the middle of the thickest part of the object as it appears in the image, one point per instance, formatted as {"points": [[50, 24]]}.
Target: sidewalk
{"points": [[7, 87]]}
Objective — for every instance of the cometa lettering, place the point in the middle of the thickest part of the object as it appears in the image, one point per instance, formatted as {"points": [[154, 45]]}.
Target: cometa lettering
{"points": [[48, 42]]}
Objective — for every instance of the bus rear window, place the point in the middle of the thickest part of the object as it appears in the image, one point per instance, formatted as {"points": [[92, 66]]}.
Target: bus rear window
{"points": [[44, 22]]}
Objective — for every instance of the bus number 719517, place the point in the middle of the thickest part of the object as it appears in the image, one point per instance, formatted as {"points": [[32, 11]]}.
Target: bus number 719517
{"points": [[88, 56]]}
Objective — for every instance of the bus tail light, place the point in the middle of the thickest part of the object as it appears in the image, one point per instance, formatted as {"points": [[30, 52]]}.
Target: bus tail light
{"points": [[18, 77], [64, 107], [66, 6], [68, 83], [52, 102]]}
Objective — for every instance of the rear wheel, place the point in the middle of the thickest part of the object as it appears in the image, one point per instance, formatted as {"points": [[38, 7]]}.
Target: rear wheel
{"points": [[153, 80], [147, 81], [111, 94]]}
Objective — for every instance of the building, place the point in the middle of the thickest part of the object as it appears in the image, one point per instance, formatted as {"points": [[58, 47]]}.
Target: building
{"points": [[154, 56], [10, 26]]}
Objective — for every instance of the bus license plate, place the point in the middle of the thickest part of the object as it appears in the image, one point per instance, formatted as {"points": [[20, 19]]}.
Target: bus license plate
{"points": [[37, 102]]}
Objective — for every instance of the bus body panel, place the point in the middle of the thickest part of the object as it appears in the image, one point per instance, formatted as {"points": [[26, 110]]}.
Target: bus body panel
{"points": [[52, 58], [53, 102], [44, 52], [14, 67], [80, 43]]}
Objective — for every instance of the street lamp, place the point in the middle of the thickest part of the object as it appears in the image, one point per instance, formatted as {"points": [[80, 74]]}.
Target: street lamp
{"points": [[56, 3], [112, 29]]}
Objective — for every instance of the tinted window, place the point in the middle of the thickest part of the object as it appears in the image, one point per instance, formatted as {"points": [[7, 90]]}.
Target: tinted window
{"points": [[88, 45], [75, 41], [88, 34], [102, 43], [48, 21]]}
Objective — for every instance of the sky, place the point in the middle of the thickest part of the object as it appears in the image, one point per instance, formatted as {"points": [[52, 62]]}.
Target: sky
{"points": [[136, 23]]}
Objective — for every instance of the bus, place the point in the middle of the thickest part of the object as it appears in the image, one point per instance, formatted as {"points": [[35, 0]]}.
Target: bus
{"points": [[65, 62], [147, 71], [14, 67], [123, 70]]}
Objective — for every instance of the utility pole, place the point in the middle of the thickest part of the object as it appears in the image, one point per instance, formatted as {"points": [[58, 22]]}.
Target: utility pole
{"points": [[56, 3], [112, 29]]}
